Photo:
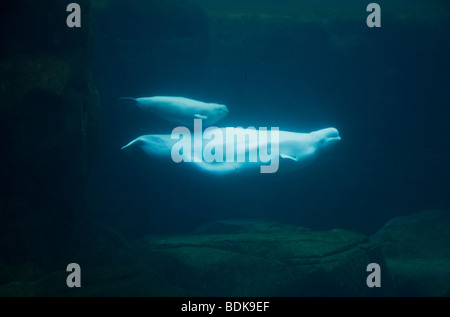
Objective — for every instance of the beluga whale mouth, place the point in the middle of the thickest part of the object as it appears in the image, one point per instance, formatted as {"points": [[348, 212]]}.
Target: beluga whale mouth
{"points": [[326, 136], [333, 135]]}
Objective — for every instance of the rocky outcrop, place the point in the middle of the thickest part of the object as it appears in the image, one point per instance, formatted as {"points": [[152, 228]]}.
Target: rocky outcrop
{"points": [[416, 248], [256, 258], [265, 259], [242, 258]]}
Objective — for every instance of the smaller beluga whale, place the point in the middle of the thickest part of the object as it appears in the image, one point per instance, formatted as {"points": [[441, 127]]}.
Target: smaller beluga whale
{"points": [[225, 150], [181, 110]]}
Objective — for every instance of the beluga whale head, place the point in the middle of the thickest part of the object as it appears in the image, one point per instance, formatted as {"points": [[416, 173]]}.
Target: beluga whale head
{"points": [[214, 113], [325, 138]]}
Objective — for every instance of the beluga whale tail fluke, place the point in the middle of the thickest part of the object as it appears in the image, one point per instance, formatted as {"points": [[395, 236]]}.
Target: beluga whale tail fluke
{"points": [[130, 144], [180, 110], [153, 144]]}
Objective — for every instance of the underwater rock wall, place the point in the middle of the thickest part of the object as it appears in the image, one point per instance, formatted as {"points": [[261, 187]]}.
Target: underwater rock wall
{"points": [[274, 260], [49, 125], [258, 258], [227, 258]]}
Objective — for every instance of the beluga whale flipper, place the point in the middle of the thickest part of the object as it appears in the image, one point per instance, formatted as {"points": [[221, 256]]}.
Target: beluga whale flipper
{"points": [[225, 150], [181, 110]]}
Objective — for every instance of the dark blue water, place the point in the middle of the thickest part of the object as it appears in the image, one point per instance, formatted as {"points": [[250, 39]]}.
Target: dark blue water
{"points": [[385, 89], [142, 226]]}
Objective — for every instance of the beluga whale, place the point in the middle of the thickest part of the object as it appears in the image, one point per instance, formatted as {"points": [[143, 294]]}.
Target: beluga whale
{"points": [[181, 110], [225, 150]]}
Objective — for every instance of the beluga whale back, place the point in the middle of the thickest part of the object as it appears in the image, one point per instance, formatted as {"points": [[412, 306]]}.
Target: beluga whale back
{"points": [[181, 110]]}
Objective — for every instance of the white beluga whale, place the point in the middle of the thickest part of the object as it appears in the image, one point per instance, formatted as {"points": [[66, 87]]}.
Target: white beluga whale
{"points": [[224, 150], [181, 110]]}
